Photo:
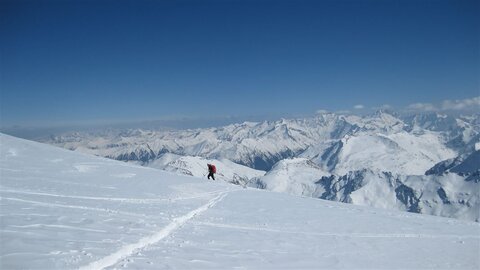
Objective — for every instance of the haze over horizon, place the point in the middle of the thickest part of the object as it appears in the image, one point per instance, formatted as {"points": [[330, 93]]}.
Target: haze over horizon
{"points": [[203, 63]]}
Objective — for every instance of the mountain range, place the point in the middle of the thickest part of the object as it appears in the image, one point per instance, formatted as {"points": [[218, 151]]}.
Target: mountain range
{"points": [[409, 162], [68, 210]]}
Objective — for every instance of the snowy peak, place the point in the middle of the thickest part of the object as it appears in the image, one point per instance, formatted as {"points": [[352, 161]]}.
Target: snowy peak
{"points": [[461, 132], [383, 121], [294, 176], [400, 152], [432, 121], [261, 145]]}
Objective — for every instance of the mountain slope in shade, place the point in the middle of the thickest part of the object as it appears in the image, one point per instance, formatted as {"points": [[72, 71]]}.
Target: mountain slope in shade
{"points": [[449, 195], [465, 165], [65, 210]]}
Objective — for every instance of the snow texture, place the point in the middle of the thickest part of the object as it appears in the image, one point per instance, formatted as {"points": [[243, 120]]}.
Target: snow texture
{"points": [[66, 210]]}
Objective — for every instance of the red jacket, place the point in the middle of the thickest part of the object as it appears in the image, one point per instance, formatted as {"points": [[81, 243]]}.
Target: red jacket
{"points": [[212, 168]]}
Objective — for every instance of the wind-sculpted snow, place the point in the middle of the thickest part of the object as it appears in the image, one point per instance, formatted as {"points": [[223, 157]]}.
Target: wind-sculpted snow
{"points": [[66, 210]]}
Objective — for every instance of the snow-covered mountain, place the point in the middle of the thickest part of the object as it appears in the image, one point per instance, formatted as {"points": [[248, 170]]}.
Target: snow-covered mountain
{"points": [[196, 166], [384, 148], [294, 176], [400, 152], [446, 194], [460, 132], [449, 195], [66, 210], [465, 165], [328, 139]]}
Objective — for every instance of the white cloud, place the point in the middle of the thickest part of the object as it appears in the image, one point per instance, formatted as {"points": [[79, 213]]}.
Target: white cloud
{"points": [[468, 105], [321, 111], [382, 107], [464, 104], [428, 107]]}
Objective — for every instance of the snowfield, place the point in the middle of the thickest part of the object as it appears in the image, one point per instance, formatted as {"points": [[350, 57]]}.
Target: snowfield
{"points": [[197, 166], [294, 176], [66, 210], [393, 153]]}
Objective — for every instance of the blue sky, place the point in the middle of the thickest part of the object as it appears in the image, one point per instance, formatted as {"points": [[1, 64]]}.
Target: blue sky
{"points": [[92, 61]]}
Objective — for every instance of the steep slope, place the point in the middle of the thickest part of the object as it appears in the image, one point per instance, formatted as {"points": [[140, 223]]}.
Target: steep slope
{"points": [[65, 210], [465, 165], [449, 195], [470, 165]]}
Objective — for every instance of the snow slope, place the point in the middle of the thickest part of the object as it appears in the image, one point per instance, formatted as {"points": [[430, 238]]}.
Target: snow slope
{"points": [[446, 194], [294, 176], [66, 210], [197, 166], [400, 152]]}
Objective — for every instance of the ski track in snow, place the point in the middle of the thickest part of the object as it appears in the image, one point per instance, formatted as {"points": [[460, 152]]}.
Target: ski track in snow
{"points": [[56, 227], [124, 200], [129, 249], [38, 203]]}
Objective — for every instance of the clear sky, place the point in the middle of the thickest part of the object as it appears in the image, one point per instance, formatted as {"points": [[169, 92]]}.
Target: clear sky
{"points": [[85, 61]]}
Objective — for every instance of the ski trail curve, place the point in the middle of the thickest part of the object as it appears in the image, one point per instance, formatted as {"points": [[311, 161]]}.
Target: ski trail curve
{"points": [[129, 249]]}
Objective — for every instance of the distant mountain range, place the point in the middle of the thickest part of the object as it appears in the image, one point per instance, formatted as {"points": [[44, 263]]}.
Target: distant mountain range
{"points": [[66, 210], [448, 191], [414, 162]]}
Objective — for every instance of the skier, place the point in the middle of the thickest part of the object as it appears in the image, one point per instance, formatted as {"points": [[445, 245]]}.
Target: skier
{"points": [[211, 171]]}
